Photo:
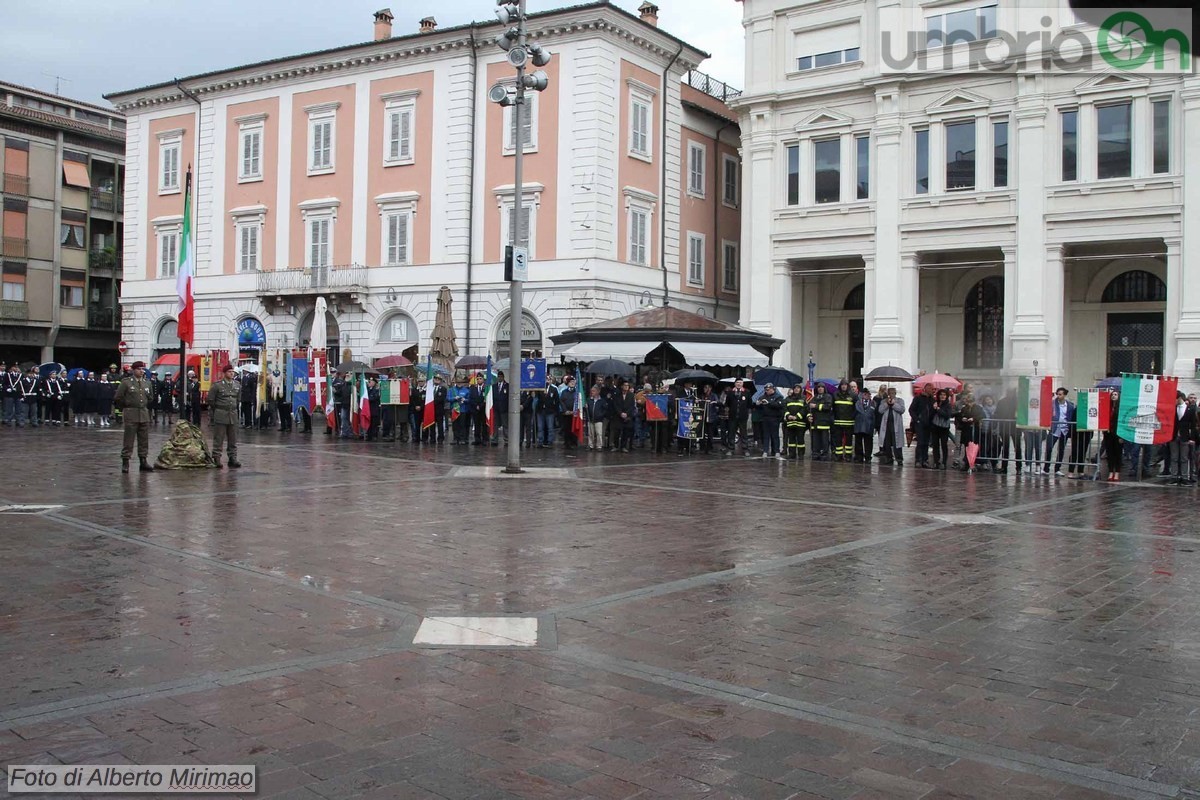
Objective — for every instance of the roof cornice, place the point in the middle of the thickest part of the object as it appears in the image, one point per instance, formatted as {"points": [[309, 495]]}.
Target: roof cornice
{"points": [[597, 18]]}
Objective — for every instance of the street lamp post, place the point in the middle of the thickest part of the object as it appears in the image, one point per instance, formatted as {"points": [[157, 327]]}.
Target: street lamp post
{"points": [[520, 54]]}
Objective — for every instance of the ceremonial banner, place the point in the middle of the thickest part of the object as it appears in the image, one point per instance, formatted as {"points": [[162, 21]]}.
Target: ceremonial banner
{"points": [[691, 418], [1147, 411], [533, 374], [206, 368], [394, 392], [317, 367], [489, 402], [656, 407], [300, 391], [1092, 410], [1035, 397]]}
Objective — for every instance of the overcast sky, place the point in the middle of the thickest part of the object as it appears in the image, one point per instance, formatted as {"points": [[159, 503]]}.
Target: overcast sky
{"points": [[101, 47]]}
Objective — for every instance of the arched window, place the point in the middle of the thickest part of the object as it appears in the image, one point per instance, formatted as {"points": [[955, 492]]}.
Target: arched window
{"points": [[857, 299], [1135, 286], [398, 328], [983, 323], [168, 335]]}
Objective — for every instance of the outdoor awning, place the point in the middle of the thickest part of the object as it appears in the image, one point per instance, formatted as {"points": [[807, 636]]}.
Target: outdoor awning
{"points": [[76, 175], [632, 352], [720, 354]]}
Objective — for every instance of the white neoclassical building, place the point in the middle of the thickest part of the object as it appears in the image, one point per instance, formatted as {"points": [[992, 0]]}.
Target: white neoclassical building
{"points": [[959, 219]]}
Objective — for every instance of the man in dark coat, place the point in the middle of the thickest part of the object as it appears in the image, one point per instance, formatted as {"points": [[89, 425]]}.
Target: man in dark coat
{"points": [[771, 405], [737, 403], [500, 408], [624, 409], [921, 413], [249, 398]]}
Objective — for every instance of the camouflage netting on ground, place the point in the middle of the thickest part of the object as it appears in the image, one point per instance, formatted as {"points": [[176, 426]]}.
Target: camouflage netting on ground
{"points": [[185, 449]]}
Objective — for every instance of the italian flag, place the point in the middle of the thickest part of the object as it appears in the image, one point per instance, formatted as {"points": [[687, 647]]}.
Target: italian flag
{"points": [[489, 402], [1092, 410], [360, 419], [428, 417], [1035, 399], [577, 411], [186, 310], [1147, 411]]}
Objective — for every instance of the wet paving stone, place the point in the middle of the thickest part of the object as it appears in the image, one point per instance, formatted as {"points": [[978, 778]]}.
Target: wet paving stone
{"points": [[724, 627]]}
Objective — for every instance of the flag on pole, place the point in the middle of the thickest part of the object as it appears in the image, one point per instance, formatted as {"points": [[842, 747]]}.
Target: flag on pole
{"points": [[428, 416], [360, 412], [1035, 402], [577, 411], [1092, 410], [316, 376], [489, 404], [1147, 411], [186, 310], [262, 382]]}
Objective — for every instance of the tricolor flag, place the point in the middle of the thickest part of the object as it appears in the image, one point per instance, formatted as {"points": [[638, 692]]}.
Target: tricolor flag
{"points": [[360, 419], [1147, 411], [1035, 398], [577, 411], [1093, 410], [186, 310], [489, 402], [428, 417]]}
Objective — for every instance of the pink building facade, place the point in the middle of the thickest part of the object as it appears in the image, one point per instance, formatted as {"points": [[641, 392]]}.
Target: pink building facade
{"points": [[374, 174]]}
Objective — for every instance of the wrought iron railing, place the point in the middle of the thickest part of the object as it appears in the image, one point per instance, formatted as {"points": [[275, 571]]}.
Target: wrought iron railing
{"points": [[710, 86], [103, 200], [313, 280], [14, 310], [103, 317], [14, 247], [16, 184]]}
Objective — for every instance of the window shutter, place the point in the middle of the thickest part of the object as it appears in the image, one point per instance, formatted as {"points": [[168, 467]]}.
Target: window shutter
{"points": [[405, 134], [401, 238], [314, 243], [255, 155], [527, 120], [394, 135]]}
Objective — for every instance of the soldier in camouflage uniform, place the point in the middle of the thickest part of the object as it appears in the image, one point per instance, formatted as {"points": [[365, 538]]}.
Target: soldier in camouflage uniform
{"points": [[134, 397], [223, 400]]}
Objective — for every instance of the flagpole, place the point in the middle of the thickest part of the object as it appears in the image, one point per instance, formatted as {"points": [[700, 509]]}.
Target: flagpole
{"points": [[183, 389]]}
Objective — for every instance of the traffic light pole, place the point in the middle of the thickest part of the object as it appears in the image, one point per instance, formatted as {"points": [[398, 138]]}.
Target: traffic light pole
{"points": [[515, 299]]}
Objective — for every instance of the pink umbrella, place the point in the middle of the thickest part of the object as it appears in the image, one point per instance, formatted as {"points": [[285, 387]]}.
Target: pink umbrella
{"points": [[972, 454], [937, 381]]}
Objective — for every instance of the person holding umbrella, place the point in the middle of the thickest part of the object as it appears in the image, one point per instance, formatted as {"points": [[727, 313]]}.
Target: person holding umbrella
{"points": [[771, 405], [942, 414], [891, 428], [624, 411]]}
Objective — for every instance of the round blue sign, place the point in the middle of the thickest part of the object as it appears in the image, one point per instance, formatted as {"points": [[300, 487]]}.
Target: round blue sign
{"points": [[251, 332]]}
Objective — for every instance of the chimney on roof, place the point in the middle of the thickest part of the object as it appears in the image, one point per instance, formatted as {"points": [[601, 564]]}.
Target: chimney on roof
{"points": [[649, 13], [428, 25], [383, 24]]}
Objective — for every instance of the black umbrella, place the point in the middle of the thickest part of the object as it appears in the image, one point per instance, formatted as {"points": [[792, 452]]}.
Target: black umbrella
{"points": [[889, 373], [471, 362], [611, 366], [353, 366], [694, 375]]}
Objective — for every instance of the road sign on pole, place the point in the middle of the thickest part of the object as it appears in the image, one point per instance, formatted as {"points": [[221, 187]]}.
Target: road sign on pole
{"points": [[520, 264]]}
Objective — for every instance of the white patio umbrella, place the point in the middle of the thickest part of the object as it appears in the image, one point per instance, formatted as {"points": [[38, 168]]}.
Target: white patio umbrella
{"points": [[316, 336]]}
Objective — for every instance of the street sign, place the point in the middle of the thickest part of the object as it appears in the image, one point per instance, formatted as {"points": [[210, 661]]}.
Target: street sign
{"points": [[520, 270], [122, 347], [533, 373]]}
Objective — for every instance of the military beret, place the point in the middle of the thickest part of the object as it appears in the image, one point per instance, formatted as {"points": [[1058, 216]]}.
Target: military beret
{"points": [[139, 365]]}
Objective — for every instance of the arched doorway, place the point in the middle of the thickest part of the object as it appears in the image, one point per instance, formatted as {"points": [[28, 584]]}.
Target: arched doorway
{"points": [[856, 337], [398, 335], [531, 337], [1135, 339], [983, 325], [333, 334], [166, 340]]}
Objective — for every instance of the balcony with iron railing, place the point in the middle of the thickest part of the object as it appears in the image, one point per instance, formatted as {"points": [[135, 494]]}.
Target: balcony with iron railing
{"points": [[104, 258], [14, 247], [347, 278], [16, 184], [14, 311], [710, 86], [103, 317], [107, 201]]}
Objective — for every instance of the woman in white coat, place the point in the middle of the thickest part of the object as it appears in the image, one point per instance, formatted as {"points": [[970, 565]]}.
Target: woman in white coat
{"points": [[891, 428]]}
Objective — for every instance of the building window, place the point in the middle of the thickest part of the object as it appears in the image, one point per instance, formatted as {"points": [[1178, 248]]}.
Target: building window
{"points": [[828, 59], [1135, 286], [72, 235], [640, 125], [969, 25], [827, 165], [639, 234], [697, 154], [730, 194], [168, 160], [319, 230], [250, 168], [398, 329], [922, 161], [168, 252], [400, 130], [793, 174], [1070, 145], [322, 138], [248, 235], [14, 290], [695, 273], [960, 155], [729, 266], [524, 237], [70, 296], [862, 166], [397, 241], [1114, 141], [999, 154], [983, 339], [1162, 136], [529, 116]]}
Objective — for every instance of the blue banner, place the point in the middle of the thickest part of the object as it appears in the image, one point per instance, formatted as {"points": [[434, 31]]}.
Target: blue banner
{"points": [[533, 373], [298, 380], [691, 417]]}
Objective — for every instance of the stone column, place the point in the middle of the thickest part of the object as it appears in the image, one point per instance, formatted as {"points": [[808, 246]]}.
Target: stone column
{"points": [[758, 185], [781, 314], [1029, 335], [1183, 271]]}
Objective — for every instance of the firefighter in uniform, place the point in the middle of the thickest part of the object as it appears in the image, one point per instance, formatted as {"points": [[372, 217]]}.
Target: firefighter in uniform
{"points": [[135, 396], [224, 400], [843, 422], [795, 420], [820, 419]]}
